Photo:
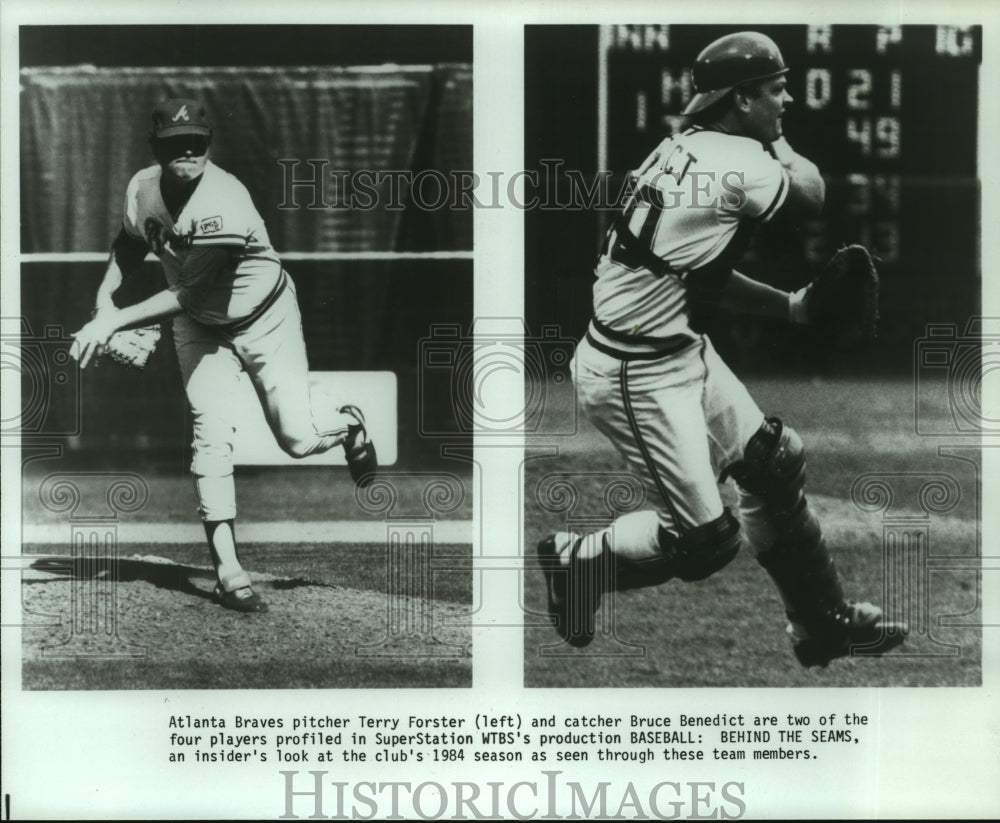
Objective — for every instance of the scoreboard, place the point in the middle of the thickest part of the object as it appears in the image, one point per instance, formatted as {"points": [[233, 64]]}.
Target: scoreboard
{"points": [[888, 113]]}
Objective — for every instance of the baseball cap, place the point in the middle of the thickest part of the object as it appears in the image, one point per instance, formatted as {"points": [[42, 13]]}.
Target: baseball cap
{"points": [[730, 61], [180, 115]]}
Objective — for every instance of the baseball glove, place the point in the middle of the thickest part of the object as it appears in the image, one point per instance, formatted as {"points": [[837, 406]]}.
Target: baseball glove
{"points": [[132, 347], [841, 303]]}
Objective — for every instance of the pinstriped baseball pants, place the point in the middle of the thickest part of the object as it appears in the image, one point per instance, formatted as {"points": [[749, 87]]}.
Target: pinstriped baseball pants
{"points": [[678, 421]]}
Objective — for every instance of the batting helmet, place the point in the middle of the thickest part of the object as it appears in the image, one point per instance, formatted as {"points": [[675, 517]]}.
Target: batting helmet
{"points": [[730, 61]]}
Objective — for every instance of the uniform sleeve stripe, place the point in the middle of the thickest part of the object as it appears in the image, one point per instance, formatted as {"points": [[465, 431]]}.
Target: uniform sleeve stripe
{"points": [[219, 240], [779, 198]]}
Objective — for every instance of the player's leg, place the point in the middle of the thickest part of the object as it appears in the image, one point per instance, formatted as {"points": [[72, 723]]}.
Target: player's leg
{"points": [[210, 373], [652, 413], [274, 354], [766, 458]]}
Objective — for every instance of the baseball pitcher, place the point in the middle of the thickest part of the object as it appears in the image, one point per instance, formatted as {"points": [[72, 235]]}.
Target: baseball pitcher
{"points": [[233, 309]]}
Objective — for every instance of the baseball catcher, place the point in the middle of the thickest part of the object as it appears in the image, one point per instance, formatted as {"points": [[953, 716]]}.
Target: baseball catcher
{"points": [[649, 379]]}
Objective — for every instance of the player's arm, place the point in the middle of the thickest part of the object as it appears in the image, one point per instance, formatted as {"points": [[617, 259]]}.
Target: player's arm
{"points": [[744, 295], [203, 264], [93, 336], [127, 254], [200, 268], [806, 187]]}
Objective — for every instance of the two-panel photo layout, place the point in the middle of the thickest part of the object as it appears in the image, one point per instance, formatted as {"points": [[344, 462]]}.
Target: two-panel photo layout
{"points": [[251, 373]]}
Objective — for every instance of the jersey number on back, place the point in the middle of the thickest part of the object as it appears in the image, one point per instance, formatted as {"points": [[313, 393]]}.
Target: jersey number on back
{"points": [[634, 251], [623, 251]]}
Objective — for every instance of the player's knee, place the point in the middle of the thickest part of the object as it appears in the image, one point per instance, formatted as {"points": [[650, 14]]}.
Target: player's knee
{"points": [[773, 464], [212, 462], [773, 469], [636, 573], [705, 549], [294, 446]]}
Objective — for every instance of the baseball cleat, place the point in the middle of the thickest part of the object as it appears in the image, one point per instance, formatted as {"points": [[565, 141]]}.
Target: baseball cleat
{"points": [[362, 461], [243, 599], [851, 626], [572, 594]]}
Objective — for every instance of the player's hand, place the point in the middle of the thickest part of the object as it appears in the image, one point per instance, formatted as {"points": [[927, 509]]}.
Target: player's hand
{"points": [[798, 305], [90, 340]]}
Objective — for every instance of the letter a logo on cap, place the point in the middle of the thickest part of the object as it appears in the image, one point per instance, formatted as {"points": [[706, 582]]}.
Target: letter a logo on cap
{"points": [[179, 115]]}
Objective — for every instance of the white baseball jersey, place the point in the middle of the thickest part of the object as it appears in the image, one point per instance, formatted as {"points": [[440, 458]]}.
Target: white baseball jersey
{"points": [[218, 213], [691, 196], [242, 317]]}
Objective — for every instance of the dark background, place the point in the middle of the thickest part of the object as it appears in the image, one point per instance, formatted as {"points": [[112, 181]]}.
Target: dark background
{"points": [[924, 191], [226, 45], [87, 93]]}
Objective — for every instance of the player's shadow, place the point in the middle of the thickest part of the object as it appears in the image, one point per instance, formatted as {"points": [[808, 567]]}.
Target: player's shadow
{"points": [[171, 576]]}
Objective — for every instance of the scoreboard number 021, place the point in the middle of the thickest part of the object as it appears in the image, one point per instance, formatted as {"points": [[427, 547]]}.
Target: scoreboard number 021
{"points": [[860, 86], [874, 136]]}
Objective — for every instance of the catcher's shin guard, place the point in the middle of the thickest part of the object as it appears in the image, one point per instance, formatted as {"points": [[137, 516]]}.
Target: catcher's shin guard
{"points": [[773, 471], [705, 549], [573, 592], [822, 624]]}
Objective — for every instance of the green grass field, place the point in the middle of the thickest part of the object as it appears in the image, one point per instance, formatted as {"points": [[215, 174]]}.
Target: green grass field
{"points": [[728, 630]]}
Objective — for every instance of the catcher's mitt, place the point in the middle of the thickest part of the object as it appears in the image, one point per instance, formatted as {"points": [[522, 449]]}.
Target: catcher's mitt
{"points": [[841, 303], [132, 347]]}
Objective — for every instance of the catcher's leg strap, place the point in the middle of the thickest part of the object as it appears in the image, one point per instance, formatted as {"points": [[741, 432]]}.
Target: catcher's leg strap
{"points": [[700, 552], [705, 549]]}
